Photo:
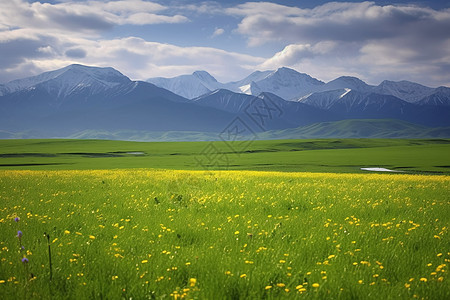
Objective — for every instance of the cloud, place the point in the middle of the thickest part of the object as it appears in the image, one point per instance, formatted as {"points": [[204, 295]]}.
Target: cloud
{"points": [[337, 21], [146, 18], [45, 36], [360, 39], [372, 41], [83, 17], [76, 53], [150, 59], [130, 6], [217, 32], [205, 7], [135, 57], [295, 53]]}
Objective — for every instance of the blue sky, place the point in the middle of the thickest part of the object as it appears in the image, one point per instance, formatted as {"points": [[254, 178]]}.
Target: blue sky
{"points": [[377, 40]]}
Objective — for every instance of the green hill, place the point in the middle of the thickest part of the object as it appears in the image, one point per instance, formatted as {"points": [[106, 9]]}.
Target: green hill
{"points": [[374, 128]]}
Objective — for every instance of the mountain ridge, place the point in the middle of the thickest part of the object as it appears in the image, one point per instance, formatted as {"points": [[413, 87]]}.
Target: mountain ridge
{"points": [[78, 98], [300, 86]]}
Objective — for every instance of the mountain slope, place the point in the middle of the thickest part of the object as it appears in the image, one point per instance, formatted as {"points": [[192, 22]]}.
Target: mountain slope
{"points": [[225, 100], [359, 129], [242, 85], [188, 86], [405, 90], [77, 98], [350, 104], [347, 82], [439, 97], [71, 79], [266, 109], [287, 84]]}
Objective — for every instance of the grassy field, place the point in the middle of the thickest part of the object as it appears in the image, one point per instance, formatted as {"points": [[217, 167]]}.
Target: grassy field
{"points": [[146, 234], [294, 219], [333, 155]]}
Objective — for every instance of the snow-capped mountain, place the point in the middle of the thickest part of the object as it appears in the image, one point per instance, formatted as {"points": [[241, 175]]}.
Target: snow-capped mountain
{"points": [[284, 82], [347, 82], [294, 86], [288, 84], [188, 86], [267, 111], [439, 97], [405, 90], [225, 100], [368, 105], [245, 85], [324, 100], [77, 98], [69, 80]]}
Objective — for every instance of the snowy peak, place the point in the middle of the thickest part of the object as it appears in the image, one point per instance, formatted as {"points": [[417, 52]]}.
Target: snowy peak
{"points": [[347, 82], [286, 74], [251, 89], [188, 86], [225, 100], [254, 77], [405, 90], [107, 75], [289, 84], [326, 99], [440, 97], [204, 76], [70, 79]]}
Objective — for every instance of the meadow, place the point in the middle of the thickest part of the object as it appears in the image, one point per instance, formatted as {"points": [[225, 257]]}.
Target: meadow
{"points": [[160, 234], [326, 155], [289, 219]]}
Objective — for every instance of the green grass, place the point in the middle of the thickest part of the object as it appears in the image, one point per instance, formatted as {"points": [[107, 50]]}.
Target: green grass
{"points": [[328, 155], [147, 234], [126, 226]]}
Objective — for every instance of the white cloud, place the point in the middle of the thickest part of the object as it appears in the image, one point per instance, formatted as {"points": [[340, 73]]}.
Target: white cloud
{"points": [[375, 42], [135, 57], [347, 22], [150, 59], [44, 36], [147, 18], [83, 17], [361, 39], [294, 54], [129, 6], [206, 7], [264, 8], [217, 32]]}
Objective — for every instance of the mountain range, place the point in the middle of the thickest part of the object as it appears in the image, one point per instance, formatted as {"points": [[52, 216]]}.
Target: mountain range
{"points": [[294, 86], [78, 99]]}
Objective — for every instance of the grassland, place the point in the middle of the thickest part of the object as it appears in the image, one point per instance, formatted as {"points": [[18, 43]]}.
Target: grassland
{"points": [[146, 234], [333, 155], [124, 220]]}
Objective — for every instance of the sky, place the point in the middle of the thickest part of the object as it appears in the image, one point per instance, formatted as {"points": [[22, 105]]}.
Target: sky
{"points": [[373, 40]]}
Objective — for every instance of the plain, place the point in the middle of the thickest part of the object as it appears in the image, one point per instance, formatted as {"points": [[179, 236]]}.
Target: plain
{"points": [[118, 229]]}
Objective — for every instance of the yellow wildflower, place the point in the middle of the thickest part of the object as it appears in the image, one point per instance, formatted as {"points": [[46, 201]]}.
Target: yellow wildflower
{"points": [[192, 282]]}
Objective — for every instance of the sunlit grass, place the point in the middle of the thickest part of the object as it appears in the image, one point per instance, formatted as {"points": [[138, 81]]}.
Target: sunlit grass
{"points": [[228, 234]]}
